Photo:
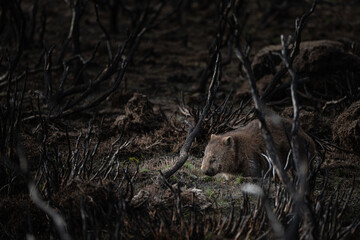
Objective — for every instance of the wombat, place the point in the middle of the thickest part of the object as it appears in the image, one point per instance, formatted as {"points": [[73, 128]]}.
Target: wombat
{"points": [[241, 151]]}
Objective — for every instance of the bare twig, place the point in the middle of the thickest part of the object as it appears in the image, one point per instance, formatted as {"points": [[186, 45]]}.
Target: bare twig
{"points": [[333, 102]]}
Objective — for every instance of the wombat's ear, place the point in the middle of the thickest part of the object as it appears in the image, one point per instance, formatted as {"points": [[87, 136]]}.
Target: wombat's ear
{"points": [[212, 136], [228, 141]]}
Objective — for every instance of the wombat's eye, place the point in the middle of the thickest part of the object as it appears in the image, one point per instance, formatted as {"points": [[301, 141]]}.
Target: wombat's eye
{"points": [[212, 160]]}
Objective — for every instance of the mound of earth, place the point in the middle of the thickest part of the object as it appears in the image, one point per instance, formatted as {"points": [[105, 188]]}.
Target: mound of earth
{"points": [[311, 121], [326, 63], [346, 128], [314, 56], [139, 115]]}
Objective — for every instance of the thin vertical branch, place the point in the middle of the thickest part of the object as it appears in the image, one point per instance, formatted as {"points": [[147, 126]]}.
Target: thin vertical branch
{"points": [[298, 157], [47, 72], [108, 41], [30, 38], [260, 113]]}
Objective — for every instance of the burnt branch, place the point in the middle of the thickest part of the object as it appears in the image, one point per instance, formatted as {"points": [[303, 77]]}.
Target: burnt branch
{"points": [[33, 21], [71, 100], [10, 124], [260, 112], [301, 208], [91, 87], [43, 26], [220, 118], [47, 71], [193, 131], [299, 26], [294, 51], [77, 9], [108, 41], [301, 162]]}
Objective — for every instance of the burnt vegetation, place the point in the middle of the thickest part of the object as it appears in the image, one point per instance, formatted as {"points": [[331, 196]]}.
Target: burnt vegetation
{"points": [[106, 107]]}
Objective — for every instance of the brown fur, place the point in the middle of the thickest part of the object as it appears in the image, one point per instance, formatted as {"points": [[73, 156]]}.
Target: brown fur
{"points": [[240, 151]]}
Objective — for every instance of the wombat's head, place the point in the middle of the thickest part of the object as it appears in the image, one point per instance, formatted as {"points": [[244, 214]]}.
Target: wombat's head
{"points": [[219, 155]]}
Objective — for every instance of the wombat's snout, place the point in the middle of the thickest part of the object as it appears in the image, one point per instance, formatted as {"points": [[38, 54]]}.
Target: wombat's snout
{"points": [[206, 167], [208, 172]]}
